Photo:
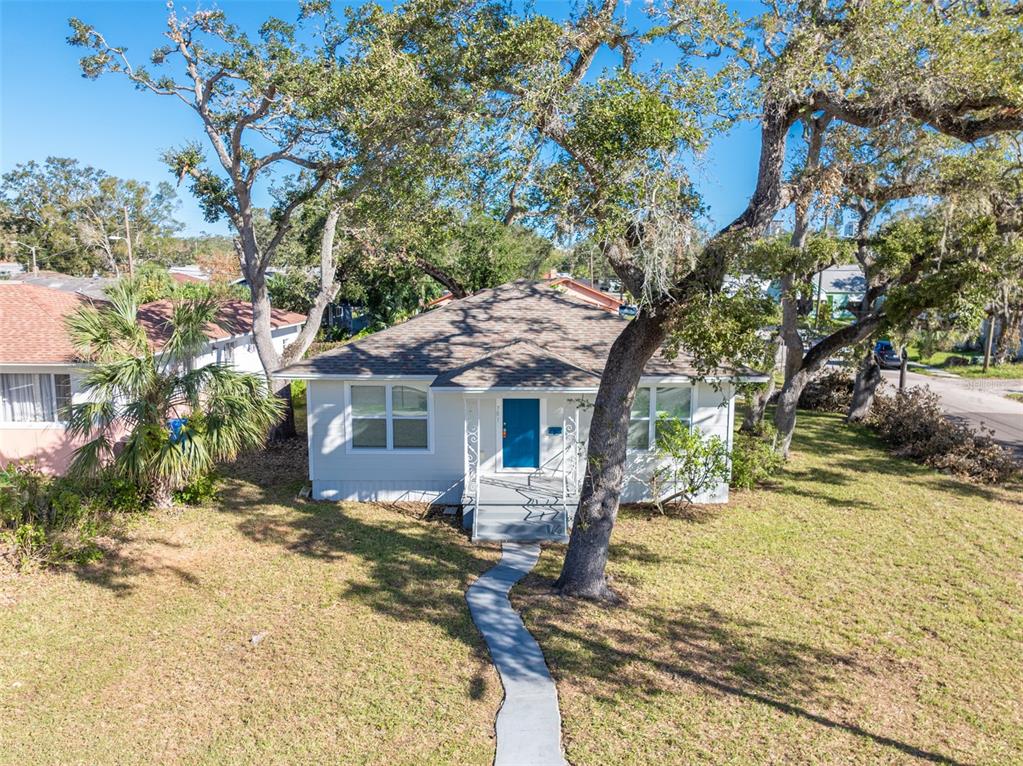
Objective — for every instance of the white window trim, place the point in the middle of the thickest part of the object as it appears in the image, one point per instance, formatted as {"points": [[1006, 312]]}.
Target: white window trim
{"points": [[40, 424], [652, 415], [389, 419]]}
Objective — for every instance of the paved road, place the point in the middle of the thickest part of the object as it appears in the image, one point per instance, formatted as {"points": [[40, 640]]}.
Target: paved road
{"points": [[976, 402]]}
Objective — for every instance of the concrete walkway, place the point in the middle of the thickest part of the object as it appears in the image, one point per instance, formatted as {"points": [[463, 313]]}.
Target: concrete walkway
{"points": [[529, 722]]}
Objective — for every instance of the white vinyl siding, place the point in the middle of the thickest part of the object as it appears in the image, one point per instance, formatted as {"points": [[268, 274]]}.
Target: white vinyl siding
{"points": [[34, 398], [339, 472]]}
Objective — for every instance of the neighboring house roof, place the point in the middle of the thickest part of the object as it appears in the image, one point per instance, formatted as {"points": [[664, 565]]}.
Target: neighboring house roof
{"points": [[189, 273], [523, 332], [233, 318], [442, 300], [841, 279], [92, 287], [588, 293], [32, 327]]}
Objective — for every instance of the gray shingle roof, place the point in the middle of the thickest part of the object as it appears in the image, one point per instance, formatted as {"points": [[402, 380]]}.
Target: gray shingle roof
{"points": [[519, 334], [523, 364]]}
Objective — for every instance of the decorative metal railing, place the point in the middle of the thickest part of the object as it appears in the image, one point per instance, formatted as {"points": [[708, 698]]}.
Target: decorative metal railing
{"points": [[472, 461], [570, 458]]}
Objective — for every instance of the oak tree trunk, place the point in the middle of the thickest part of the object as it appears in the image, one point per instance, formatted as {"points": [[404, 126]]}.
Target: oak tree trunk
{"points": [[753, 422], [583, 571], [785, 410], [868, 378]]}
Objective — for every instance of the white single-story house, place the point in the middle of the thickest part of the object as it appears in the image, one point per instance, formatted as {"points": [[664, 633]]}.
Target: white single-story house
{"points": [[485, 403], [41, 373]]}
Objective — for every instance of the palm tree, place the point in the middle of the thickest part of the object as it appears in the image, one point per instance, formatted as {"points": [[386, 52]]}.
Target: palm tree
{"points": [[150, 417]]}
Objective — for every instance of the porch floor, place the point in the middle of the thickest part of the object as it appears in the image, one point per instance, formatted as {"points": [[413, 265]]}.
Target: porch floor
{"points": [[523, 507]]}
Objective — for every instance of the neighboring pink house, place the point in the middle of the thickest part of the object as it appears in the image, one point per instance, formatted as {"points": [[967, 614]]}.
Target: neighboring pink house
{"points": [[41, 374]]}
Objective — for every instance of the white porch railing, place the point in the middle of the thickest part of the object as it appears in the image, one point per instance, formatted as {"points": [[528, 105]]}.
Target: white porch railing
{"points": [[472, 460], [569, 461]]}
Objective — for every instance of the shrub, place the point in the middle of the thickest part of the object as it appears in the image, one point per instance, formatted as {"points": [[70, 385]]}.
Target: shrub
{"points": [[53, 518], [200, 491], [830, 390], [913, 423], [693, 463], [754, 459]]}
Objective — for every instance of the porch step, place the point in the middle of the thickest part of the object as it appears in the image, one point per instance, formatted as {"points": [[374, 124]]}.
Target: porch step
{"points": [[522, 524]]}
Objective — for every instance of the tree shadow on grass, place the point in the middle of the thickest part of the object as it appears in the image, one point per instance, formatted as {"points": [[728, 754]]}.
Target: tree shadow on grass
{"points": [[698, 645], [122, 565], [418, 570]]}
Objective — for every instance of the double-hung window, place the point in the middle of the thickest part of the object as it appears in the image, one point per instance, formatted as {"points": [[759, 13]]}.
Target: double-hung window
{"points": [[390, 417], [653, 406], [34, 398]]}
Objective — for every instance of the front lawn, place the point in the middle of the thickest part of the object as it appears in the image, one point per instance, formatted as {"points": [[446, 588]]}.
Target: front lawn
{"points": [[268, 630], [865, 610], [940, 359], [1011, 371]]}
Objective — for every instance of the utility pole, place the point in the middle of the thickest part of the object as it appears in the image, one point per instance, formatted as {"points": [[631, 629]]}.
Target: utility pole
{"points": [[127, 240], [817, 313], [989, 340], [31, 249]]}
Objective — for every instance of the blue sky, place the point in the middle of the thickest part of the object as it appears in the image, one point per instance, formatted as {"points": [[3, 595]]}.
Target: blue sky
{"points": [[48, 109]]}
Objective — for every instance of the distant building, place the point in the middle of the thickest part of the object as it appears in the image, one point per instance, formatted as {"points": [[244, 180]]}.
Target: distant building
{"points": [[190, 273], [842, 288], [10, 269], [94, 287]]}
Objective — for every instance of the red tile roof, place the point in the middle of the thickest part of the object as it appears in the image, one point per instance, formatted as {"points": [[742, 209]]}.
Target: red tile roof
{"points": [[32, 329], [233, 318], [32, 324]]}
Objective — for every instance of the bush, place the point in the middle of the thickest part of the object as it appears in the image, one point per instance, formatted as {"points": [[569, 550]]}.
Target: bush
{"points": [[754, 459], [202, 490], [46, 518], [830, 390], [693, 463], [913, 423]]}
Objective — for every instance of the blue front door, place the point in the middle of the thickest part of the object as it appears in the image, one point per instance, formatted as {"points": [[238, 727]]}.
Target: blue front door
{"points": [[520, 433]]}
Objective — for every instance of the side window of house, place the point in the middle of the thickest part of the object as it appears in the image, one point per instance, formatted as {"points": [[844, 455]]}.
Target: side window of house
{"points": [[31, 398], [369, 417], [639, 421], [389, 417], [409, 417], [673, 404], [651, 407]]}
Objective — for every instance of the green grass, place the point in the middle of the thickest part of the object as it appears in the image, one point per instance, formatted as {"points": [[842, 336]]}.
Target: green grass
{"points": [[865, 610], [299, 401], [940, 359], [1015, 396], [368, 654], [1012, 371]]}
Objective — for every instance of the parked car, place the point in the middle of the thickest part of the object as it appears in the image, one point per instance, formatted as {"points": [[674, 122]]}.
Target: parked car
{"points": [[886, 355]]}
